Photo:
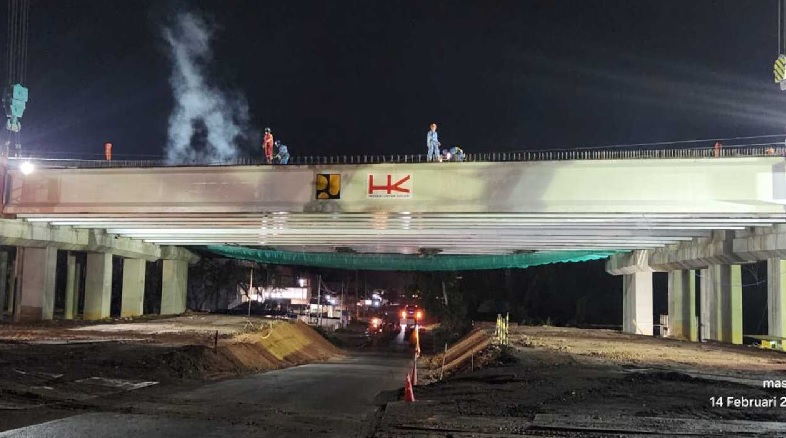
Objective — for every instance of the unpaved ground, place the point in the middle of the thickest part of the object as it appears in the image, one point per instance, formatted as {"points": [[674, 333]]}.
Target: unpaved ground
{"points": [[571, 382], [48, 370], [550, 382]]}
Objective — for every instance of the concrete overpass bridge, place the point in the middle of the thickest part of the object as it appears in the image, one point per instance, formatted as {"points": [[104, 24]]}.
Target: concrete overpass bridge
{"points": [[674, 211]]}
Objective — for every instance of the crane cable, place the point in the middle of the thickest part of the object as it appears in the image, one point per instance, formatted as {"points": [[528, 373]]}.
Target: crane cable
{"points": [[15, 94], [18, 13], [781, 26]]}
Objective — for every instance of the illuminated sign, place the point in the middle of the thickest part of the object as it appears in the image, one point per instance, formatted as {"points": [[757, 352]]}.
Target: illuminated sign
{"points": [[285, 293], [328, 186], [288, 293], [390, 186]]}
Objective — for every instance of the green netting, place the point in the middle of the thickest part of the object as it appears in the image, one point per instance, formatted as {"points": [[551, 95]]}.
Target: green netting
{"points": [[399, 262]]}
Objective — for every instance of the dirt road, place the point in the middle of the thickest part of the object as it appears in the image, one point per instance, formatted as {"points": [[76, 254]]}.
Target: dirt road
{"points": [[194, 375], [337, 398]]}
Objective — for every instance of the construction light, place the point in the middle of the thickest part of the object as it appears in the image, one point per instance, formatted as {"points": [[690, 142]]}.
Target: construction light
{"points": [[403, 314], [27, 168], [418, 315]]}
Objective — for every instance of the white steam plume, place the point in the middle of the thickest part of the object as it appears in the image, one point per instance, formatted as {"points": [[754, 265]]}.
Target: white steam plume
{"points": [[207, 122]]}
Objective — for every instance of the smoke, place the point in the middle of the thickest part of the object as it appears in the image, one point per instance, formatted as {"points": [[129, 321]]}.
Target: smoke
{"points": [[207, 123]]}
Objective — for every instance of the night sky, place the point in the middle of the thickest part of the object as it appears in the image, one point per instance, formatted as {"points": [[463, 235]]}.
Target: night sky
{"points": [[370, 76]]}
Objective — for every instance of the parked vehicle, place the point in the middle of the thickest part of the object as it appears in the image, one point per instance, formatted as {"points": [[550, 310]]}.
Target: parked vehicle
{"points": [[411, 316]]}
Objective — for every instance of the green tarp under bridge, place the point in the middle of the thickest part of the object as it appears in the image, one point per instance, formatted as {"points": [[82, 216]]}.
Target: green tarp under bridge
{"points": [[402, 262]]}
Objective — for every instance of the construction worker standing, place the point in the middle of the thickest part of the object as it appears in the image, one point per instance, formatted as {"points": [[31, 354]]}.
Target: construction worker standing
{"points": [[267, 146], [432, 143]]}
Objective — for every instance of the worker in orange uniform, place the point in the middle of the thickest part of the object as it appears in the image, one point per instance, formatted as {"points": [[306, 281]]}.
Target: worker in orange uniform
{"points": [[718, 146], [267, 145], [108, 151]]}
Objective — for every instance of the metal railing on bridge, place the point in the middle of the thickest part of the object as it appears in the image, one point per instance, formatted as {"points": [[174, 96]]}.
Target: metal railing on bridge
{"points": [[757, 150]]}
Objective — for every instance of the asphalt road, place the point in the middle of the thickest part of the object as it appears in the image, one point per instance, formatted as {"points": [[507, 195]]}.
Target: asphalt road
{"points": [[337, 398]]}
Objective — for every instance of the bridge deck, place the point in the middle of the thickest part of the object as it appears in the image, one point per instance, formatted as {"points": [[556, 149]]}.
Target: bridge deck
{"points": [[460, 208]]}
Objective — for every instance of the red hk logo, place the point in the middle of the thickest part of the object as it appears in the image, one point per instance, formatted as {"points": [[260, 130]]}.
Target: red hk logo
{"points": [[390, 189]]}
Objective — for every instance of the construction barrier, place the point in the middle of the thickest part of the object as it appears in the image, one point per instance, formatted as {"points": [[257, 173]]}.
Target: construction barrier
{"points": [[417, 355], [415, 371], [501, 330]]}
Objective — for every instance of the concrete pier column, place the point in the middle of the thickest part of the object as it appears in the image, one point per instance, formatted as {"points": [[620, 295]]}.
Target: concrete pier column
{"points": [[79, 279], [723, 302], [731, 304], [637, 303], [98, 286], [4, 291], [14, 281], [133, 294], [70, 291], [776, 297], [174, 285], [37, 299], [682, 305], [707, 325]]}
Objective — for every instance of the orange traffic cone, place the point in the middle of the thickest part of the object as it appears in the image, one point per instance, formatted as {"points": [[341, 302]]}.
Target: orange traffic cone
{"points": [[409, 394]]}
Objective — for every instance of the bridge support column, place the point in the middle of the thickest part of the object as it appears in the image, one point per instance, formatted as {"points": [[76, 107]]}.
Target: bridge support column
{"points": [[3, 282], [708, 313], [133, 294], [174, 285], [776, 297], [71, 302], [731, 303], [98, 286], [37, 301], [637, 303], [722, 303], [682, 304]]}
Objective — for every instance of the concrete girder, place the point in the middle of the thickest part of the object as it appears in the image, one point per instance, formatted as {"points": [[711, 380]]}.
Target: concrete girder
{"points": [[15, 232]]}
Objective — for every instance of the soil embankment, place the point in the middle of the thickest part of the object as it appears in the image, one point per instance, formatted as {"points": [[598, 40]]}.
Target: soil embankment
{"points": [[57, 365]]}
